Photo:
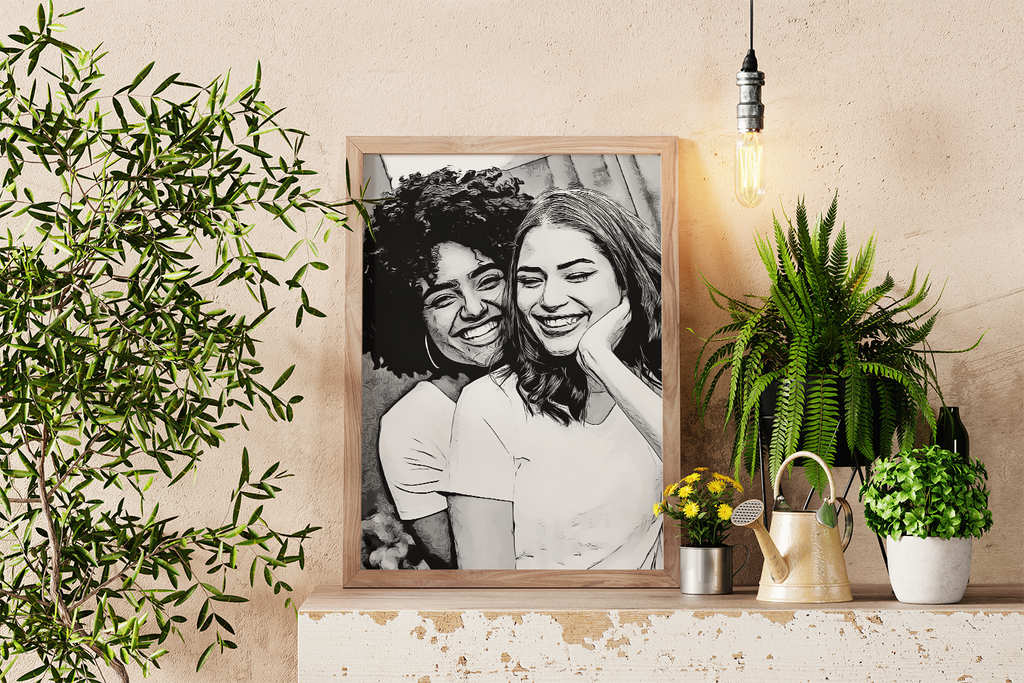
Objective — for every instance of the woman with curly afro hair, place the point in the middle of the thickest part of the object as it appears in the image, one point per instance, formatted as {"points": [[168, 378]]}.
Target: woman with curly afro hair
{"points": [[434, 278]]}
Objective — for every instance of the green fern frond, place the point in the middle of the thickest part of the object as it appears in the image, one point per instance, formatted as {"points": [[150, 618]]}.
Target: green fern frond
{"points": [[747, 454], [816, 476], [794, 307], [753, 399], [720, 359], [793, 406], [745, 335], [813, 268], [905, 304], [839, 259], [747, 416], [717, 295], [822, 417], [863, 268], [856, 397], [827, 224], [887, 417], [917, 394], [767, 253], [911, 336], [777, 446], [913, 285], [802, 227]]}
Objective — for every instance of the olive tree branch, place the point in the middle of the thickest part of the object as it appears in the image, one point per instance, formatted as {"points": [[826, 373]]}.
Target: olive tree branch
{"points": [[167, 543], [51, 534]]}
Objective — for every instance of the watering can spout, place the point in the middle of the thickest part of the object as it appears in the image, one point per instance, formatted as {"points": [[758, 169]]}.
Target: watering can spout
{"points": [[750, 513]]}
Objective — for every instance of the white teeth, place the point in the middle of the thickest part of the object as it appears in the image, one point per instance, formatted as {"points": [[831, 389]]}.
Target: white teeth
{"points": [[562, 321], [477, 332]]}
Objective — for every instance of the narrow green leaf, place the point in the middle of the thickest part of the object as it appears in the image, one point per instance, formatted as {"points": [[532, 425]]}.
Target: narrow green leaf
{"points": [[206, 655], [165, 84], [283, 378], [141, 76]]}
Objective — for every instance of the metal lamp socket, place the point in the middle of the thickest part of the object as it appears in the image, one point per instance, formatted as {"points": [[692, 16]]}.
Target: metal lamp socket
{"points": [[750, 111]]}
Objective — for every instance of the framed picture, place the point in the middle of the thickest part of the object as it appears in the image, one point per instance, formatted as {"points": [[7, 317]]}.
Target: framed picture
{"points": [[512, 363]]}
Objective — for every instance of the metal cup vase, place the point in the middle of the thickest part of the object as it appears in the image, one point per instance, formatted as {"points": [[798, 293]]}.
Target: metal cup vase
{"points": [[707, 571]]}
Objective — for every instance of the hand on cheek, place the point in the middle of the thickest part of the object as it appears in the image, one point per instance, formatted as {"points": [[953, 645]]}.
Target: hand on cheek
{"points": [[604, 335]]}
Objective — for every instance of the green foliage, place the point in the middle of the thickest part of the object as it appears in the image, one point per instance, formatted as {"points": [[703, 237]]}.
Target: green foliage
{"points": [[702, 506], [837, 347], [118, 368], [927, 492]]}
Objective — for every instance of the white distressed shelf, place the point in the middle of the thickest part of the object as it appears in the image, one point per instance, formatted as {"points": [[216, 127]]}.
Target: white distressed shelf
{"points": [[434, 635]]}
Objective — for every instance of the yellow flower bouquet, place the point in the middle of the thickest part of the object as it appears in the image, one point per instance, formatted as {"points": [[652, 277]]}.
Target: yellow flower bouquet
{"points": [[702, 505]]}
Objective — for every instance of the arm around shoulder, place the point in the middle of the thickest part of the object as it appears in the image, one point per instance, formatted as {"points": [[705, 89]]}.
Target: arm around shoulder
{"points": [[482, 528], [479, 479]]}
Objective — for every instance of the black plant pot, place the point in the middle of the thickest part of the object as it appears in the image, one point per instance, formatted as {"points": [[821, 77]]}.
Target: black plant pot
{"points": [[843, 456]]}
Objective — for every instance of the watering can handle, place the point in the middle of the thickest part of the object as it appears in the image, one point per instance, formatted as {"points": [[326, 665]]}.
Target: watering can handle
{"points": [[828, 473], [847, 522]]}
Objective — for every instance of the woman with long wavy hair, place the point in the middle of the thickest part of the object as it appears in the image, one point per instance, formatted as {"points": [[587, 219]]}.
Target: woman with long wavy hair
{"points": [[555, 460]]}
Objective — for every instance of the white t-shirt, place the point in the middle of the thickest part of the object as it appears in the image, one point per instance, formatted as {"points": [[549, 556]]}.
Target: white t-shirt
{"points": [[582, 493], [414, 438]]}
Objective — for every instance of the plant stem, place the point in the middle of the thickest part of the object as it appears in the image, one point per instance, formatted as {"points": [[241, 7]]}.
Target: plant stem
{"points": [[51, 533]]}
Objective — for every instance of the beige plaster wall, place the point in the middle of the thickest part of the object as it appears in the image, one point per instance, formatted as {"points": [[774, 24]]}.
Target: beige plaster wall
{"points": [[911, 110]]}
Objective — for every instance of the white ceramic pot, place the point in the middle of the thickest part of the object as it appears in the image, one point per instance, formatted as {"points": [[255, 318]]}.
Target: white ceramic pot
{"points": [[929, 571]]}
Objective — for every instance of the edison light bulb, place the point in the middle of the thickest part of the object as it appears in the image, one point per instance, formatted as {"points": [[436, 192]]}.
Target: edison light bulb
{"points": [[750, 123], [749, 168]]}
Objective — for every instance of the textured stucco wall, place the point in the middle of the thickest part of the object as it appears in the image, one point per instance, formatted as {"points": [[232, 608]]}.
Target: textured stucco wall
{"points": [[909, 109]]}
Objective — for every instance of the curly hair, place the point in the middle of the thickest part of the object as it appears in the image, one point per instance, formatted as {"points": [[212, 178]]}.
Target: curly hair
{"points": [[557, 386], [479, 210]]}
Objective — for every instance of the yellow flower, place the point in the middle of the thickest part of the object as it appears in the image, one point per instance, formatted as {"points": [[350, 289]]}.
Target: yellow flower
{"points": [[725, 512], [716, 486], [700, 469], [691, 510], [684, 492], [691, 478], [735, 484], [657, 509]]}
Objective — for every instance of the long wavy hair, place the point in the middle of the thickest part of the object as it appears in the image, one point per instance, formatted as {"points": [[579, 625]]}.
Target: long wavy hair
{"points": [[557, 385]]}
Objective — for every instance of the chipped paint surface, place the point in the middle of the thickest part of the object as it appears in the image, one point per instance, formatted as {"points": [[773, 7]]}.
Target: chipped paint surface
{"points": [[595, 645], [381, 617], [444, 622], [581, 628]]}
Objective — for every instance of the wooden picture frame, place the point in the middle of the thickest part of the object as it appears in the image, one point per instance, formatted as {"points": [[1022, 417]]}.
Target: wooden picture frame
{"points": [[366, 155]]}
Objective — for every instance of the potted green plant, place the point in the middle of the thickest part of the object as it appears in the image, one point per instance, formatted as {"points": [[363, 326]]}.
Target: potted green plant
{"points": [[928, 503], [843, 362], [701, 504]]}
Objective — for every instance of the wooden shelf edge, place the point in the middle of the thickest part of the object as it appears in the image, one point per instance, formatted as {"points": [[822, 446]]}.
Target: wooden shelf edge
{"points": [[871, 597]]}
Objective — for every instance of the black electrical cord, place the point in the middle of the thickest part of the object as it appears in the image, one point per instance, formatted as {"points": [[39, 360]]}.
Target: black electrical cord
{"points": [[751, 25], [750, 61]]}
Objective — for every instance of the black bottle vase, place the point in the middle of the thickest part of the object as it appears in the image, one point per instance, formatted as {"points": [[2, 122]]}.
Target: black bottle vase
{"points": [[950, 433]]}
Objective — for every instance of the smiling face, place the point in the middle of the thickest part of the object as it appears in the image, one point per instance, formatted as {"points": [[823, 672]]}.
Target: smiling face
{"points": [[461, 306], [563, 285]]}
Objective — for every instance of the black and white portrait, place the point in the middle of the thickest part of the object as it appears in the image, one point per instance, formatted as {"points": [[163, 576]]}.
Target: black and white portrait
{"points": [[512, 362]]}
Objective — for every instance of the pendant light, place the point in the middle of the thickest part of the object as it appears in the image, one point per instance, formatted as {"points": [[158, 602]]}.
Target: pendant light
{"points": [[750, 121]]}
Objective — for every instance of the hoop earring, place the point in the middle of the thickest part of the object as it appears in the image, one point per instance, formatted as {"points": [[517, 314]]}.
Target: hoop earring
{"points": [[426, 345]]}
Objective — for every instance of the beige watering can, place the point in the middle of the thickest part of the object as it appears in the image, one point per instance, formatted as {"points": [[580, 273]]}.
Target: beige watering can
{"points": [[803, 556]]}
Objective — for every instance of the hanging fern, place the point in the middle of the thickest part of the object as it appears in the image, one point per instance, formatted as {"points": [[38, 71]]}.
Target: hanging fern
{"points": [[850, 359]]}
